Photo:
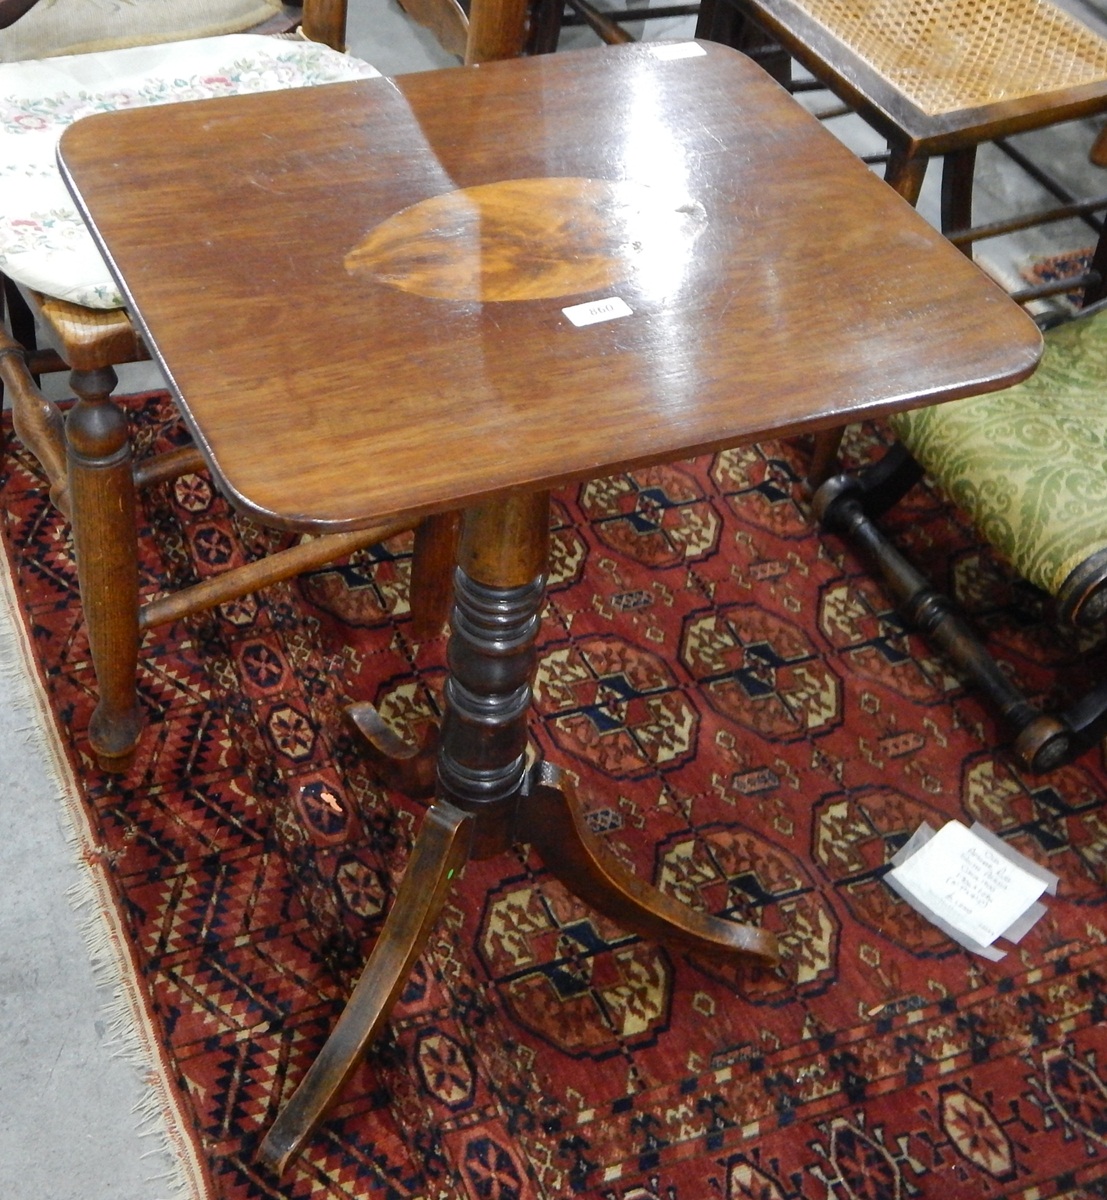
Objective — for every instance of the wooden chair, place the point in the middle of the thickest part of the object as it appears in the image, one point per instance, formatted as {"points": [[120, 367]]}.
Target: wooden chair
{"points": [[451, 22], [937, 78], [1029, 466], [52, 270], [608, 23], [489, 29]]}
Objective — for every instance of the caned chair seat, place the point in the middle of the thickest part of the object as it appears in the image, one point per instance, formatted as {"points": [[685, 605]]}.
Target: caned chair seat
{"points": [[1029, 465], [938, 75], [958, 56], [44, 244]]}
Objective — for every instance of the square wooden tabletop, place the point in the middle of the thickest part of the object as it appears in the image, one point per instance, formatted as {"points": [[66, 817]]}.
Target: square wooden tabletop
{"points": [[392, 297]]}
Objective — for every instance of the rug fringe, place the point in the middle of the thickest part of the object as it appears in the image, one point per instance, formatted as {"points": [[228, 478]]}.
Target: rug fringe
{"points": [[132, 1038]]}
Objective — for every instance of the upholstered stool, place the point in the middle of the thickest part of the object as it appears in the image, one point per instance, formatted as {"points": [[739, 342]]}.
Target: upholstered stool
{"points": [[1029, 467]]}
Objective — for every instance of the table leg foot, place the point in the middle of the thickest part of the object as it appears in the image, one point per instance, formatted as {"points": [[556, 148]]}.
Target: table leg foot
{"points": [[551, 820], [441, 850], [401, 765]]}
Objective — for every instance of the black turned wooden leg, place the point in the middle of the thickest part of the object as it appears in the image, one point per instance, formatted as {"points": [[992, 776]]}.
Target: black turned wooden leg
{"points": [[1043, 741], [441, 850], [102, 496]]}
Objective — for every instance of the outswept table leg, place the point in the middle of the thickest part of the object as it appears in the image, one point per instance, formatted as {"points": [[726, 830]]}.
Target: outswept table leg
{"points": [[441, 850], [550, 818], [407, 767]]}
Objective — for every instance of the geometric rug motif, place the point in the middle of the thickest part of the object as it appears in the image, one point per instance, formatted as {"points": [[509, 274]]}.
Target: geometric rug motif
{"points": [[1057, 267], [750, 727]]}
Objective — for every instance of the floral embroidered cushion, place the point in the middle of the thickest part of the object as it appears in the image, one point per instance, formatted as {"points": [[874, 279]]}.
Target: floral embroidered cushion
{"points": [[52, 27], [1029, 464], [44, 244]]}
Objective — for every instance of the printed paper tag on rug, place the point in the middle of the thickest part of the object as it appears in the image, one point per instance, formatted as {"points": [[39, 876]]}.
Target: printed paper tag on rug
{"points": [[971, 884]]}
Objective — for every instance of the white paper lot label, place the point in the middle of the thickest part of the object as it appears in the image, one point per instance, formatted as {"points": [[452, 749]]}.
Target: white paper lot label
{"points": [[677, 50], [968, 884], [598, 310]]}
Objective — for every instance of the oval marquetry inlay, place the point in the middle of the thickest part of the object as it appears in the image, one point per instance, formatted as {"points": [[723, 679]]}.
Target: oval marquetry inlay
{"points": [[528, 239]]}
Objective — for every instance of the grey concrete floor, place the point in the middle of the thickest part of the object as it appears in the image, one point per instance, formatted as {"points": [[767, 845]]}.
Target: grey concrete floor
{"points": [[72, 1097]]}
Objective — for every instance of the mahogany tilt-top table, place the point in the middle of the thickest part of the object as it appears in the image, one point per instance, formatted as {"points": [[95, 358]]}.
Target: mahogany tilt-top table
{"points": [[456, 290]]}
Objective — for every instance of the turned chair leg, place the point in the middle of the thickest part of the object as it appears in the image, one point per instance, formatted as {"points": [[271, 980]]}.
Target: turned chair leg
{"points": [[957, 179], [905, 173], [105, 538]]}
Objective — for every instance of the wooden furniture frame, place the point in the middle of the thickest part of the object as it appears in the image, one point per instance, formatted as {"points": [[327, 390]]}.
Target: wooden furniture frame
{"points": [[487, 30], [456, 250], [455, 27], [608, 24], [917, 125], [851, 505], [88, 461]]}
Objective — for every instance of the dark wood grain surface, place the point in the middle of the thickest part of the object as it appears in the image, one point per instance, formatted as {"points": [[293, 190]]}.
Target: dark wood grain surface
{"points": [[327, 305]]}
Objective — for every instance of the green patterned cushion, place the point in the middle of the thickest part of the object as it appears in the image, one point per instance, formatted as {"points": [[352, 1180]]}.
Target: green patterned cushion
{"points": [[1029, 464]]}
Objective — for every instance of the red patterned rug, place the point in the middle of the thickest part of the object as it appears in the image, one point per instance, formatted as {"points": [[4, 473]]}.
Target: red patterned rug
{"points": [[751, 728], [1060, 267]]}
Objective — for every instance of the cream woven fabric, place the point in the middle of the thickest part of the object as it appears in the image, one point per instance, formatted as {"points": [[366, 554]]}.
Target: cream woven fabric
{"points": [[43, 241], [1029, 465], [946, 55], [55, 27]]}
